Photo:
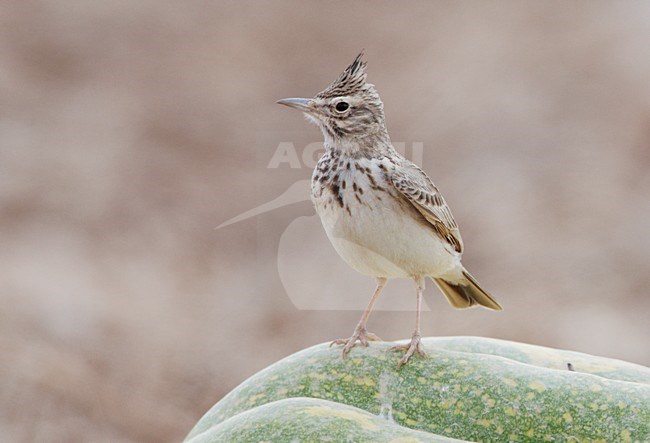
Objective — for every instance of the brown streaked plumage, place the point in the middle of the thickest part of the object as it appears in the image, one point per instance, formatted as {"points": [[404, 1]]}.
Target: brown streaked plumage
{"points": [[382, 213]]}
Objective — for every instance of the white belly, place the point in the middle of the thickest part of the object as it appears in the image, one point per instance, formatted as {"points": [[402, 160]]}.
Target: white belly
{"points": [[382, 236]]}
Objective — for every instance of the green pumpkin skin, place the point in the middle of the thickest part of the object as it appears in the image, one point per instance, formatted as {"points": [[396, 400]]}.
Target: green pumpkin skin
{"points": [[468, 388]]}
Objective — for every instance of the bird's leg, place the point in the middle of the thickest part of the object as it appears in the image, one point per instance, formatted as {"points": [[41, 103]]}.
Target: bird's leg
{"points": [[414, 347], [360, 332]]}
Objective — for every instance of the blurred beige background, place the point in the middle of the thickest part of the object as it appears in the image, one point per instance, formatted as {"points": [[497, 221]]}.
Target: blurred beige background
{"points": [[129, 130]]}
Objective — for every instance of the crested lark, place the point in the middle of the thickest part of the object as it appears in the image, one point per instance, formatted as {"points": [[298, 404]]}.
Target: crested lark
{"points": [[382, 213]]}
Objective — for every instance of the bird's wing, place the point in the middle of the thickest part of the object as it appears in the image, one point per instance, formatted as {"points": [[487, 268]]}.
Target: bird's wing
{"points": [[420, 191]]}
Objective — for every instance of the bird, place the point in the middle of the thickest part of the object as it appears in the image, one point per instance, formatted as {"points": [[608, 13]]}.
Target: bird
{"points": [[381, 212]]}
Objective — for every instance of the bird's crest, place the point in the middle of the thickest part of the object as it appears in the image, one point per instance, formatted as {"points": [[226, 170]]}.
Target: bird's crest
{"points": [[351, 81]]}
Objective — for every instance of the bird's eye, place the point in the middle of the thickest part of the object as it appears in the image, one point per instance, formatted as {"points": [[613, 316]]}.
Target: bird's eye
{"points": [[342, 106]]}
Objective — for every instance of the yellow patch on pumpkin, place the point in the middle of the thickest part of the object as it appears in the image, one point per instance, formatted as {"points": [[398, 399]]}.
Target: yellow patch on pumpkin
{"points": [[537, 386], [325, 411]]}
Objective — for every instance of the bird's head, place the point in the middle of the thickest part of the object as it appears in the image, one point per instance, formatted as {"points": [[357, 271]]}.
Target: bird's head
{"points": [[347, 110]]}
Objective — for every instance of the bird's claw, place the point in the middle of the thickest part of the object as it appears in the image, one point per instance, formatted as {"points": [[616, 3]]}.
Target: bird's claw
{"points": [[414, 347], [360, 335]]}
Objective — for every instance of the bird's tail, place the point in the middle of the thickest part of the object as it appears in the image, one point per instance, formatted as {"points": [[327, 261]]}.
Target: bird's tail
{"points": [[466, 293]]}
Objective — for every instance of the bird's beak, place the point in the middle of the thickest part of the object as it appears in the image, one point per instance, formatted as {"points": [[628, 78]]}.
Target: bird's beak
{"points": [[301, 104]]}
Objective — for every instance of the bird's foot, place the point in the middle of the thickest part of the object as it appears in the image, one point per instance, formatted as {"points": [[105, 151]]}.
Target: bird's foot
{"points": [[361, 335], [414, 347]]}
